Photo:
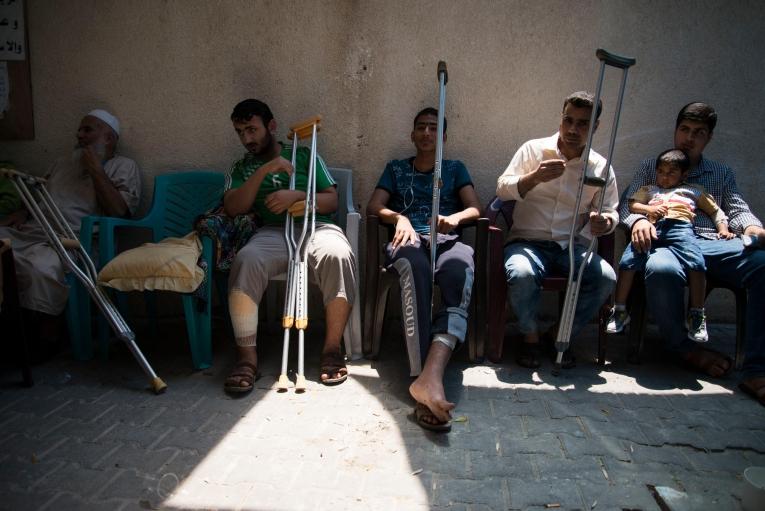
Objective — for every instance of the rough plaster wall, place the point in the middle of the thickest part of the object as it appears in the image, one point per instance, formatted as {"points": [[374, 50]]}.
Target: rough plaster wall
{"points": [[172, 71]]}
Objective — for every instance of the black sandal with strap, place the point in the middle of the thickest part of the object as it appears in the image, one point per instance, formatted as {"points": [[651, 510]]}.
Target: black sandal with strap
{"points": [[246, 372], [330, 364], [528, 355]]}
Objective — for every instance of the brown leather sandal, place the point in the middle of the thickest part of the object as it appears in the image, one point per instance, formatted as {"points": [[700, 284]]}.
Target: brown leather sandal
{"points": [[243, 372], [330, 364]]}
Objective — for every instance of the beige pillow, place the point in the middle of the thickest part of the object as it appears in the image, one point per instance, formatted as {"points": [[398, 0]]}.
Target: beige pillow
{"points": [[170, 265]]}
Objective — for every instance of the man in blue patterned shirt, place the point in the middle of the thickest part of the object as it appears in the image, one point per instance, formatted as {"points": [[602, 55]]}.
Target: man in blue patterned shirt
{"points": [[727, 260], [403, 197]]}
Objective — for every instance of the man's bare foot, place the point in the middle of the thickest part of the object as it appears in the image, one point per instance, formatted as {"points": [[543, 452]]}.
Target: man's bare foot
{"points": [[431, 394], [754, 388], [708, 361]]}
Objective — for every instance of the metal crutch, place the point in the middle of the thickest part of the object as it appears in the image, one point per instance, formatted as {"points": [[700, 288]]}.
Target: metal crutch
{"points": [[296, 293], [62, 238], [443, 77], [575, 274]]}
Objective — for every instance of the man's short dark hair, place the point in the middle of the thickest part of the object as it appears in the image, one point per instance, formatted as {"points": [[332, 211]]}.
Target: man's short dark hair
{"points": [[244, 111], [699, 112], [428, 111], [674, 157], [583, 99]]}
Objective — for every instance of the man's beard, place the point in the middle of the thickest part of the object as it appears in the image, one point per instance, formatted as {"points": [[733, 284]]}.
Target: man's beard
{"points": [[99, 148], [264, 148]]}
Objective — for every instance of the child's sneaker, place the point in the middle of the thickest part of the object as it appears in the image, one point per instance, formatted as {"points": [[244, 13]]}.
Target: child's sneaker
{"points": [[751, 240], [697, 326], [617, 321]]}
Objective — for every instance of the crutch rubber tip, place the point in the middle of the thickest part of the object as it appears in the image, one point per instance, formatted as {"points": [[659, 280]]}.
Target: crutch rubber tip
{"points": [[442, 69], [300, 383], [283, 383], [158, 386]]}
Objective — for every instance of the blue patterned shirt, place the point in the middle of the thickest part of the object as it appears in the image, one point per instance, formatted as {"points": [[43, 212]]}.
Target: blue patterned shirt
{"points": [[411, 192], [718, 180]]}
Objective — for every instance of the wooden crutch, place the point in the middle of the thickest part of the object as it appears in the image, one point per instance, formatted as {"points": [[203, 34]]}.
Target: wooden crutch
{"points": [[296, 293]]}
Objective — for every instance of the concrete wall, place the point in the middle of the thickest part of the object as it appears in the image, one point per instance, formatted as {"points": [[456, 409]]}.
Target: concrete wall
{"points": [[172, 71]]}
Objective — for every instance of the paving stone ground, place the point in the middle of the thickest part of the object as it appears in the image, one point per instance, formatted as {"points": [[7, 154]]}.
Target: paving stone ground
{"points": [[90, 436]]}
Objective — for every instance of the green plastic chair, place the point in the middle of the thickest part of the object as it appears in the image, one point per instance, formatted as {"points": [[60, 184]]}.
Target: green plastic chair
{"points": [[178, 199]]}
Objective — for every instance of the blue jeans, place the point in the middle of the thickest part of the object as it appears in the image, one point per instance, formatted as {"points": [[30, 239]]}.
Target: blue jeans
{"points": [[675, 235], [726, 261], [528, 262]]}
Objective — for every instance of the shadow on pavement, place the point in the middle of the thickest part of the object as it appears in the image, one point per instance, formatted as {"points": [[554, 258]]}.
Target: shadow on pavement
{"points": [[89, 436]]}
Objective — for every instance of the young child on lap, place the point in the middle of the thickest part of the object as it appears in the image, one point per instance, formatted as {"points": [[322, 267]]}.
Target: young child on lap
{"points": [[670, 204]]}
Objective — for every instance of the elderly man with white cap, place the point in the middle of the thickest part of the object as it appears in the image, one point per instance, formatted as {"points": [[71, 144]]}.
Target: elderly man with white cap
{"points": [[91, 181]]}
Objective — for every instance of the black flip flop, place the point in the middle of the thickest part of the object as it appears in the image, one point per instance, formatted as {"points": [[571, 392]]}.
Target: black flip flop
{"points": [[421, 411], [528, 355]]}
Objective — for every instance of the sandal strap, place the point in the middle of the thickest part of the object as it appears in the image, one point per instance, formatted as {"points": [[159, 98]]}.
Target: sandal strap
{"points": [[237, 370], [332, 362], [244, 363]]}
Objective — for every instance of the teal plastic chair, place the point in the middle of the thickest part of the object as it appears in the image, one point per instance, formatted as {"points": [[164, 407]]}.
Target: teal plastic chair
{"points": [[178, 199]]}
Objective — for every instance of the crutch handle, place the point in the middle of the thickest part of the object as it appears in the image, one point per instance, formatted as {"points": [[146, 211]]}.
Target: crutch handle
{"points": [[69, 243], [442, 69], [297, 208], [612, 59], [600, 182], [304, 129]]}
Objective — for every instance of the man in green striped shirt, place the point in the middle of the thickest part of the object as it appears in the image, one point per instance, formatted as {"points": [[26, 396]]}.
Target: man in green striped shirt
{"points": [[259, 183]]}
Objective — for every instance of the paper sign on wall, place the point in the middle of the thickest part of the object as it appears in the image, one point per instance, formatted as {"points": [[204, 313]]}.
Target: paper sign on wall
{"points": [[12, 45]]}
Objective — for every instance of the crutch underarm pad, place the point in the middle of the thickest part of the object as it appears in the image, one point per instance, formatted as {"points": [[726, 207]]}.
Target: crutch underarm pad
{"points": [[614, 60], [304, 129], [11, 173]]}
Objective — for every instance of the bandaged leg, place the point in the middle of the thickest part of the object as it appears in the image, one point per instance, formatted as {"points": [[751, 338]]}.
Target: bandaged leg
{"points": [[447, 340], [244, 318]]}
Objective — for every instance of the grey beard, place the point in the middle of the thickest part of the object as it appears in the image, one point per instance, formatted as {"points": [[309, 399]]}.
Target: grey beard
{"points": [[77, 155]]}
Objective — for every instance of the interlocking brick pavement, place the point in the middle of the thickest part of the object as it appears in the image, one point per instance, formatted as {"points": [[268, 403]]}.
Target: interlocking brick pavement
{"points": [[90, 436]]}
